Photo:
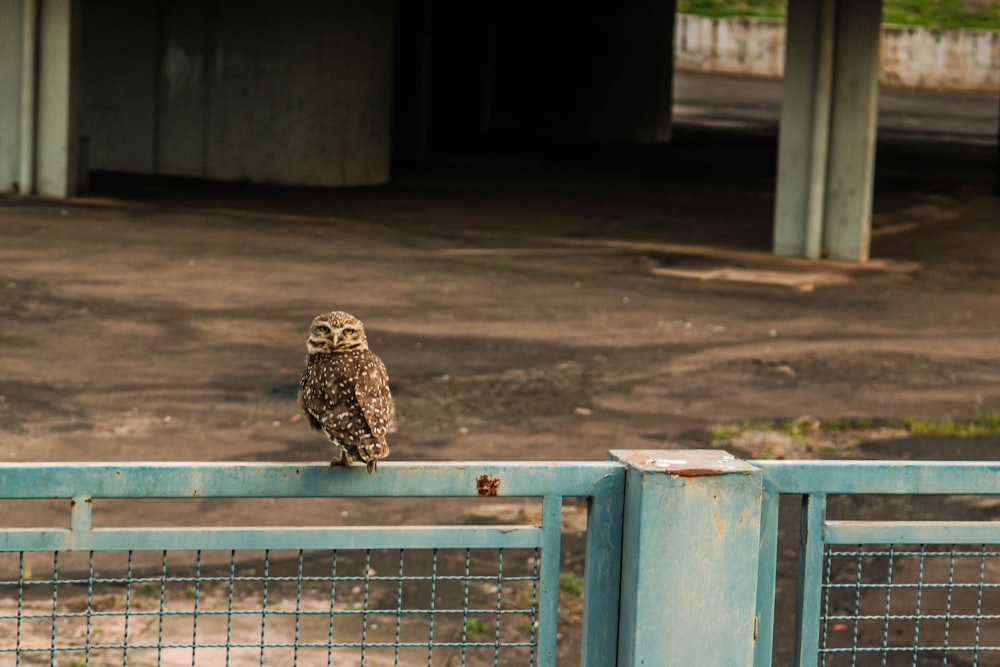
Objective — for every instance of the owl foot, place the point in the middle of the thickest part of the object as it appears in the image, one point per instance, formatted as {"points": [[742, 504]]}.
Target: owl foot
{"points": [[343, 459]]}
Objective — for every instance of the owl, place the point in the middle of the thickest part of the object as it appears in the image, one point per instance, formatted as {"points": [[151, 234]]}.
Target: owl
{"points": [[344, 390]]}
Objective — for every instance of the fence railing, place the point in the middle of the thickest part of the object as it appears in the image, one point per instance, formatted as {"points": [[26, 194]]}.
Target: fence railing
{"points": [[680, 566]]}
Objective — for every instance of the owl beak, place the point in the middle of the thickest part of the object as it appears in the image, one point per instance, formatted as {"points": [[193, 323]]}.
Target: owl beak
{"points": [[336, 338]]}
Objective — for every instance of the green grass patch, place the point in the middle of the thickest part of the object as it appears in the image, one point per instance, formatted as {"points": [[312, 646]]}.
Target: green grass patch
{"points": [[927, 13], [988, 424], [809, 431], [571, 583], [148, 588], [476, 628], [757, 8]]}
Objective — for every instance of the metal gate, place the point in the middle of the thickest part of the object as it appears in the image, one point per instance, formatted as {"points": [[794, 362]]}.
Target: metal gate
{"points": [[681, 555], [302, 595]]}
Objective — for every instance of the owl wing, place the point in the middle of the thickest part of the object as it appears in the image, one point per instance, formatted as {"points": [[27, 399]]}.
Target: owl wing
{"points": [[325, 401], [309, 410], [372, 393]]}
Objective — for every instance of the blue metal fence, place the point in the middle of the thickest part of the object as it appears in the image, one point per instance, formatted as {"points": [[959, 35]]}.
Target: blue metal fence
{"points": [[680, 567]]}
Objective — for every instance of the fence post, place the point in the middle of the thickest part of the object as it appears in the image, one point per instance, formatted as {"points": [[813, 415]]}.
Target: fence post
{"points": [[689, 559]]}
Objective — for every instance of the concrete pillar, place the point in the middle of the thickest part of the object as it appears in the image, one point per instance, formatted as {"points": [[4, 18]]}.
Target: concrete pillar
{"points": [[11, 55], [56, 125], [827, 139], [851, 168], [689, 559]]}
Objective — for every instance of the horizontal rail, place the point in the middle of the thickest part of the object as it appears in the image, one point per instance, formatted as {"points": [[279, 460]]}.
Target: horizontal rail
{"points": [[282, 480], [277, 537], [912, 532], [883, 477]]}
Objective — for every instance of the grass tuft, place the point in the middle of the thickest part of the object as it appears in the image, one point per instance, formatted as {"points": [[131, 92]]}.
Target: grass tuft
{"points": [[806, 435]]}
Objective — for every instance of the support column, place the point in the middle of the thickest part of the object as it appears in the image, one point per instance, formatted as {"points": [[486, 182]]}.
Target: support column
{"points": [[11, 54], [827, 140], [56, 127], [29, 96], [689, 559], [851, 167]]}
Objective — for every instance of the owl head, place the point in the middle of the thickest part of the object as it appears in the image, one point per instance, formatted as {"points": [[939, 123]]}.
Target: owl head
{"points": [[336, 331]]}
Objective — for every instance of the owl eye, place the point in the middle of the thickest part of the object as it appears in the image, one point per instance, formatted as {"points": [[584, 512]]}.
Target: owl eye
{"points": [[322, 328], [348, 332]]}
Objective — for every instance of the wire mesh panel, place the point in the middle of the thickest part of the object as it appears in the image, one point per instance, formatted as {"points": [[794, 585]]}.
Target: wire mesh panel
{"points": [[910, 605], [329, 607]]}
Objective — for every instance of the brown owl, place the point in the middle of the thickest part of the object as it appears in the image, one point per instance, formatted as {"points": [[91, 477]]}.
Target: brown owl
{"points": [[344, 390]]}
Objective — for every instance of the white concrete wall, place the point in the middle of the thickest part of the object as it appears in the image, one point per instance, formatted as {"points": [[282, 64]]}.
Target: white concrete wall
{"points": [[737, 45], [296, 93], [911, 56], [956, 59]]}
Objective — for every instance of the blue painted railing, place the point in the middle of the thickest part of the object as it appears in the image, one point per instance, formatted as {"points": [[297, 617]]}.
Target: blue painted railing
{"points": [[680, 567]]}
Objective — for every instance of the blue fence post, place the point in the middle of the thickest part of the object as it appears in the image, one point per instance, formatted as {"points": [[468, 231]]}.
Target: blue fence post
{"points": [[689, 559]]}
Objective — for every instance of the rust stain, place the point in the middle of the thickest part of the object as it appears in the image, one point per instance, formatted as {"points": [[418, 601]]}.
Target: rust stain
{"points": [[696, 472], [487, 485]]}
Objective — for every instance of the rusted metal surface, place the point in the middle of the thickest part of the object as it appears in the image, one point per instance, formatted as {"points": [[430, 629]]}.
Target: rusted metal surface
{"points": [[487, 485]]}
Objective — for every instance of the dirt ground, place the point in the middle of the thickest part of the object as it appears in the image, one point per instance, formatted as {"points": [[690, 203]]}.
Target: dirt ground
{"points": [[166, 321]]}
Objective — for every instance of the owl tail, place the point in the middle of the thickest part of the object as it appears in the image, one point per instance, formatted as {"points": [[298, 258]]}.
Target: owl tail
{"points": [[372, 466]]}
